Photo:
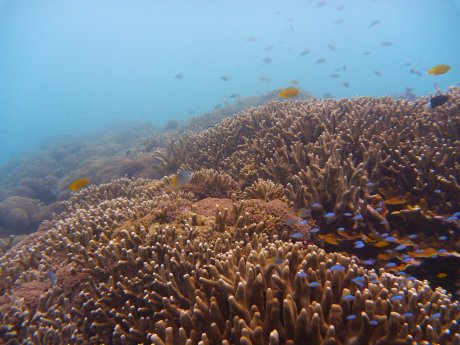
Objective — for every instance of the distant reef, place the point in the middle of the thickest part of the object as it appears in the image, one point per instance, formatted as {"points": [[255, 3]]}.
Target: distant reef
{"points": [[313, 221]]}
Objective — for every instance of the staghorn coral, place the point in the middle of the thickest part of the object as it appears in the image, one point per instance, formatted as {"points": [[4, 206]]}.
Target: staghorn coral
{"points": [[206, 274]]}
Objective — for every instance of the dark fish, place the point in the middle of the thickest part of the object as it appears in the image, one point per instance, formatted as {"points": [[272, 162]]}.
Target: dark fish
{"points": [[386, 44], [304, 52], [268, 48], [378, 73], [321, 4], [52, 277], [328, 95], [217, 106], [251, 39], [333, 75], [265, 79], [340, 8], [344, 68], [346, 84], [331, 47], [233, 95], [179, 76], [224, 78], [338, 21], [191, 111], [267, 60], [436, 101], [407, 64], [277, 13], [290, 19], [374, 23], [366, 53], [322, 60]]}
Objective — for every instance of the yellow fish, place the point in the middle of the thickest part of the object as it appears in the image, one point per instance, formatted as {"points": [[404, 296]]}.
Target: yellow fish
{"points": [[381, 244], [397, 200], [181, 179], [79, 184], [441, 275], [289, 92], [439, 69]]}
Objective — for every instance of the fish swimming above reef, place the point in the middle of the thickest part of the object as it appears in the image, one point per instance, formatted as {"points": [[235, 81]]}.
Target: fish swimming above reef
{"points": [[304, 52], [181, 179], [52, 277], [267, 60], [322, 60], [289, 92], [436, 101], [439, 69], [179, 76], [374, 23], [79, 184]]}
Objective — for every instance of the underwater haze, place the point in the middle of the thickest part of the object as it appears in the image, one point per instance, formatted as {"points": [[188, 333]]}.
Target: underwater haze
{"points": [[77, 67]]}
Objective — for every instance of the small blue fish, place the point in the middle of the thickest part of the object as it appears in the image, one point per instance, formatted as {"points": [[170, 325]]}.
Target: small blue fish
{"points": [[435, 316], [413, 236], [316, 205], [296, 235], [341, 229], [347, 214], [337, 268], [396, 298], [442, 238], [303, 222], [384, 222], [357, 217], [408, 315], [52, 277], [358, 279], [351, 317], [441, 251], [369, 262], [400, 247], [359, 245], [390, 239], [456, 214], [302, 274], [348, 298], [437, 191], [329, 215], [314, 230], [452, 218], [390, 265], [314, 284], [373, 322]]}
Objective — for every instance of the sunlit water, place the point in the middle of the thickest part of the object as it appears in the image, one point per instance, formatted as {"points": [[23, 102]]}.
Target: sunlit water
{"points": [[73, 67]]}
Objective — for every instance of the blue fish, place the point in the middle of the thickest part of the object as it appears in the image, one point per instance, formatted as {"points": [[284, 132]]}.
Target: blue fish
{"points": [[337, 268], [396, 298], [52, 277], [314, 284], [390, 265], [341, 229], [302, 274], [314, 230], [304, 222], [373, 322], [296, 235], [351, 317], [401, 247], [329, 215], [347, 214], [348, 297], [357, 217]]}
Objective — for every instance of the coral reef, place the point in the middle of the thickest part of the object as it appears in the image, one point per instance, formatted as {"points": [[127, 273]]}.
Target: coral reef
{"points": [[136, 263]]}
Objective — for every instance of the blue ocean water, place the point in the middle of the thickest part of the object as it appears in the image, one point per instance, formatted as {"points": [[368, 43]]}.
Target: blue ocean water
{"points": [[75, 67]]}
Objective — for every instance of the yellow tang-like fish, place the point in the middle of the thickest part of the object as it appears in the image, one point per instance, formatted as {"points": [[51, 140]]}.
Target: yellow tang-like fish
{"points": [[181, 179], [439, 69], [289, 92], [79, 184]]}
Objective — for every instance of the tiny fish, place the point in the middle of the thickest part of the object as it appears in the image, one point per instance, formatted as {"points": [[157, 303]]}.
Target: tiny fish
{"points": [[351, 317], [346, 84], [378, 73], [386, 44], [439, 100], [179, 76], [357, 217], [373, 322], [296, 235], [331, 47], [439, 69], [337, 268], [289, 92], [334, 75], [79, 184], [366, 53], [314, 284], [181, 179], [267, 60], [233, 95], [302, 212], [441, 275], [396, 298], [329, 215], [291, 221], [348, 298], [304, 52], [301, 274], [321, 4], [251, 39], [224, 78], [268, 48], [344, 68], [265, 79], [52, 277], [314, 230], [374, 23], [338, 21], [340, 8], [322, 60]]}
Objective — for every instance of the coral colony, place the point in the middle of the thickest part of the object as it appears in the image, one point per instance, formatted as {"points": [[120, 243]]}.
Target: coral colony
{"points": [[299, 222]]}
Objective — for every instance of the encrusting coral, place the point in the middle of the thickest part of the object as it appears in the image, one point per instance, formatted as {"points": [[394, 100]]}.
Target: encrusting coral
{"points": [[138, 263]]}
